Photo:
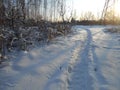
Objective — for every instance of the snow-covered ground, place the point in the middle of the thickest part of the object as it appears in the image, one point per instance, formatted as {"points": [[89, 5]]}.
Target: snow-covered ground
{"points": [[87, 59]]}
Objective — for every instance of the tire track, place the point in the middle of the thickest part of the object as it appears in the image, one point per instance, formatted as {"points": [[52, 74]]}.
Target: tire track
{"points": [[80, 78]]}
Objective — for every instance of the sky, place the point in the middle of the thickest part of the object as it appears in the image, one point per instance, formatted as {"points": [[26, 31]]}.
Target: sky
{"points": [[81, 6], [88, 5], [94, 6]]}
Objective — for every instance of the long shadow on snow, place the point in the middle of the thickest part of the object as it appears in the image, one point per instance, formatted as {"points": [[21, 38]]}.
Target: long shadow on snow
{"points": [[31, 69], [55, 77], [81, 78]]}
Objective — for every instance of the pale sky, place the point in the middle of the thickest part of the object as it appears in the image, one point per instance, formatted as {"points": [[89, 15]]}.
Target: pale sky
{"points": [[88, 5], [95, 6]]}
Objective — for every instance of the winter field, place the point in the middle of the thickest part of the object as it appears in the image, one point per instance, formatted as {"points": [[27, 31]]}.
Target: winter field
{"points": [[86, 59]]}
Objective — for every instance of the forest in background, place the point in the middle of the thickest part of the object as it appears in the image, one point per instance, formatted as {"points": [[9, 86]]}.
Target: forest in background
{"points": [[25, 22]]}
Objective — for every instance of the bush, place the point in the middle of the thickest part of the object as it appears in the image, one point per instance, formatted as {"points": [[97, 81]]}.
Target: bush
{"points": [[23, 38], [114, 30]]}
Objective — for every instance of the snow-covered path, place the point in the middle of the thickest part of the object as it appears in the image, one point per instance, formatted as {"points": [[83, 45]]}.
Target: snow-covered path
{"points": [[87, 59]]}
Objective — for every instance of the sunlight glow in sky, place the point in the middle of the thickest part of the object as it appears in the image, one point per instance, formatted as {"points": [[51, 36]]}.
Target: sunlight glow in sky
{"points": [[118, 6], [94, 6]]}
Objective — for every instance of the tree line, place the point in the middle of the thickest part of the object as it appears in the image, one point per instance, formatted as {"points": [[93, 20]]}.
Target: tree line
{"points": [[23, 23]]}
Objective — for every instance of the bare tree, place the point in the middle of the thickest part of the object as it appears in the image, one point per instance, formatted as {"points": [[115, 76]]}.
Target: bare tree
{"points": [[2, 12], [62, 9], [109, 5], [87, 16]]}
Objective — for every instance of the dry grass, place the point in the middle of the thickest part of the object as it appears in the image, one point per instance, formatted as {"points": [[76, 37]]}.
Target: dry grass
{"points": [[114, 30]]}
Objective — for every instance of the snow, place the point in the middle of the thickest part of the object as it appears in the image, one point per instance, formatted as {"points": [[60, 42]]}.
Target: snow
{"points": [[87, 59]]}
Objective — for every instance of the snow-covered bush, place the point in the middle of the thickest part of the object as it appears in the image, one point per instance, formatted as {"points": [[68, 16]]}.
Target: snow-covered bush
{"points": [[22, 38], [114, 30]]}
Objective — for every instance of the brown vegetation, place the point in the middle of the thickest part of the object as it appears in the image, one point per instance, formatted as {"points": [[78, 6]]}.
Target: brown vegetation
{"points": [[114, 30]]}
